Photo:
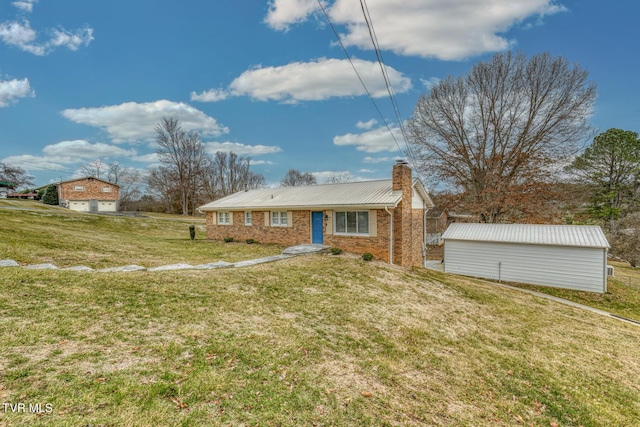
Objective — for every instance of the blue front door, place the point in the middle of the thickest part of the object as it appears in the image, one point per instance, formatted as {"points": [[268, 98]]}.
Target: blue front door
{"points": [[316, 228]]}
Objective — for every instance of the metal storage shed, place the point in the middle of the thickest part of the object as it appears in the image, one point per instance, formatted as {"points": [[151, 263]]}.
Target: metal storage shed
{"points": [[563, 256]]}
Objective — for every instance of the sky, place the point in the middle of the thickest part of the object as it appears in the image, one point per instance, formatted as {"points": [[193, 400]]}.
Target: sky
{"points": [[85, 80]]}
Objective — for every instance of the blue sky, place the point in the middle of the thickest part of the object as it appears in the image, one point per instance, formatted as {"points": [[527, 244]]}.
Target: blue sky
{"points": [[85, 80]]}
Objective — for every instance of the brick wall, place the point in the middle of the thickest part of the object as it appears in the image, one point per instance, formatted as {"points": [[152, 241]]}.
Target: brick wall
{"points": [[92, 190], [402, 217], [378, 246]]}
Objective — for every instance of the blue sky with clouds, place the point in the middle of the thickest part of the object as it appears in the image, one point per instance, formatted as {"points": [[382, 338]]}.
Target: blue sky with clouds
{"points": [[85, 80]]}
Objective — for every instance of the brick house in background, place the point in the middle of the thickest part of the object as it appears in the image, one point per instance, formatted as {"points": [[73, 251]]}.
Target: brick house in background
{"points": [[89, 194], [385, 218]]}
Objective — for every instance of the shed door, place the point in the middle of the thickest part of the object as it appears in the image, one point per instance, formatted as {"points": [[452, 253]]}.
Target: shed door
{"points": [[316, 228], [93, 205]]}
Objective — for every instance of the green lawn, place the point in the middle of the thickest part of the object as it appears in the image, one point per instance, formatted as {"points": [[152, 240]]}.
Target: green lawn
{"points": [[308, 341]]}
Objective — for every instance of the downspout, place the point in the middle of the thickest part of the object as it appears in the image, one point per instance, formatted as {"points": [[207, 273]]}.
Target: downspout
{"points": [[424, 233], [386, 208]]}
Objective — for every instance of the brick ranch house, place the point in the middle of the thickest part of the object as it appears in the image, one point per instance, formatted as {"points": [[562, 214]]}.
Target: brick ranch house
{"points": [[355, 216], [89, 194]]}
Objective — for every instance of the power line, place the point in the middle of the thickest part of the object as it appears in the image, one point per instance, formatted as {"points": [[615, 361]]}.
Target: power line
{"points": [[385, 75], [358, 74]]}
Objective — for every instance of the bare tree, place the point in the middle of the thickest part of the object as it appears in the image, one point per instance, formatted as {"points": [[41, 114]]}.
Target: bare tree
{"points": [[294, 178], [19, 177], [228, 173], [340, 178], [183, 157], [495, 135], [97, 169]]}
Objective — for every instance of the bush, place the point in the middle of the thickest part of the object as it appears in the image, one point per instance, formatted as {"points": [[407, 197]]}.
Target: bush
{"points": [[367, 256], [336, 251], [228, 239], [50, 195], [192, 231], [250, 241]]}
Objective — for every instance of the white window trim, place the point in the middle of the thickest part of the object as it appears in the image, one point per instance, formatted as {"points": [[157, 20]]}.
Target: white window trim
{"points": [[106, 189], [222, 215], [78, 188], [342, 233], [280, 215], [249, 215]]}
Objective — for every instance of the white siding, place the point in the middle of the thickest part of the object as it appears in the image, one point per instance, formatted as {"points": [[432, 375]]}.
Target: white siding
{"points": [[580, 268]]}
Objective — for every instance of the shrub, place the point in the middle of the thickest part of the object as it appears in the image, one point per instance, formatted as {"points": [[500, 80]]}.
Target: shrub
{"points": [[228, 239], [336, 251], [367, 256], [250, 241], [192, 231]]}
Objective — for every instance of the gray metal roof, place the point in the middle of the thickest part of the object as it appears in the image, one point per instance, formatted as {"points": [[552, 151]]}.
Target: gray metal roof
{"points": [[535, 234], [371, 194]]}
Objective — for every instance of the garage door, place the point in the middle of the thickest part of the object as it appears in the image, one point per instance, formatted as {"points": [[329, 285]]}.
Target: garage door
{"points": [[565, 267]]}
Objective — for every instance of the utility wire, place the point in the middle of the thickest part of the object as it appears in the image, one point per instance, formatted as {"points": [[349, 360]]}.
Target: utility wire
{"points": [[324, 12], [385, 75]]}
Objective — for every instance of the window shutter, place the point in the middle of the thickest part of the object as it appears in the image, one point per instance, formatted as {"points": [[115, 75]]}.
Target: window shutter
{"points": [[230, 218], [214, 218], [289, 218], [373, 223], [267, 218]]}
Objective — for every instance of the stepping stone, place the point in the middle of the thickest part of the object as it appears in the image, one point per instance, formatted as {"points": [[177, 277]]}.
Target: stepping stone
{"points": [[47, 266], [212, 265], [304, 249], [78, 268], [8, 263], [171, 267], [125, 268]]}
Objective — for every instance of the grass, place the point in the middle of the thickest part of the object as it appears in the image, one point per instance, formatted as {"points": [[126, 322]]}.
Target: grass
{"points": [[314, 341], [622, 297], [45, 234]]}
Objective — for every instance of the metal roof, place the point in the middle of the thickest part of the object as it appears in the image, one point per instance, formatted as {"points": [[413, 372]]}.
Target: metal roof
{"points": [[371, 194], [534, 234]]}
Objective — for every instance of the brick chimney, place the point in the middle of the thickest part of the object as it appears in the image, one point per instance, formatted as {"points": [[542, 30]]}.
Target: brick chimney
{"points": [[402, 223]]}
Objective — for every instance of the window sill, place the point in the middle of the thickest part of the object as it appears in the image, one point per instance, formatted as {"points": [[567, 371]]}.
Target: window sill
{"points": [[351, 234]]}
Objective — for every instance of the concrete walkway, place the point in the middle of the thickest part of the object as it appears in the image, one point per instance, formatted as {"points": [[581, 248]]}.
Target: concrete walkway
{"points": [[287, 253]]}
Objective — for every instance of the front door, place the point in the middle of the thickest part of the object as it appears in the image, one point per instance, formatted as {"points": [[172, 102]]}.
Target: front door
{"points": [[316, 228]]}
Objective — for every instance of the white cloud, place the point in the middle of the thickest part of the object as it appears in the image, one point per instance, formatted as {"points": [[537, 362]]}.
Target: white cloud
{"points": [[11, 90], [366, 171], [448, 30], [316, 80], [30, 162], [211, 95], [242, 149], [21, 35], [25, 5], [366, 125], [80, 150], [133, 121], [376, 160], [283, 13], [430, 82], [373, 141], [147, 158], [262, 162]]}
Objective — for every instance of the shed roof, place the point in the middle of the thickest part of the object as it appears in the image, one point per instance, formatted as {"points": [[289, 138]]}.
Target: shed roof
{"points": [[372, 194], [534, 234]]}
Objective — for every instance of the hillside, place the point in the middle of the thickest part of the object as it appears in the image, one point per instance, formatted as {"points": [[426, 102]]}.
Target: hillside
{"points": [[318, 340]]}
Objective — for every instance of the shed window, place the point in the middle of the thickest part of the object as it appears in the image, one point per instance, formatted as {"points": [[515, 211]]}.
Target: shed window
{"points": [[106, 189], [279, 218], [352, 222], [224, 218], [78, 188]]}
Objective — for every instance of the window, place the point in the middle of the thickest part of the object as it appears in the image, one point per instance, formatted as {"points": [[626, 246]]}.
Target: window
{"points": [[247, 218], [352, 222], [78, 188], [106, 189], [224, 218], [279, 218]]}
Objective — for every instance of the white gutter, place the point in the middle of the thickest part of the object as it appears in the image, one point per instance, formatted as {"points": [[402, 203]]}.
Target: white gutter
{"points": [[390, 234], [424, 233]]}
